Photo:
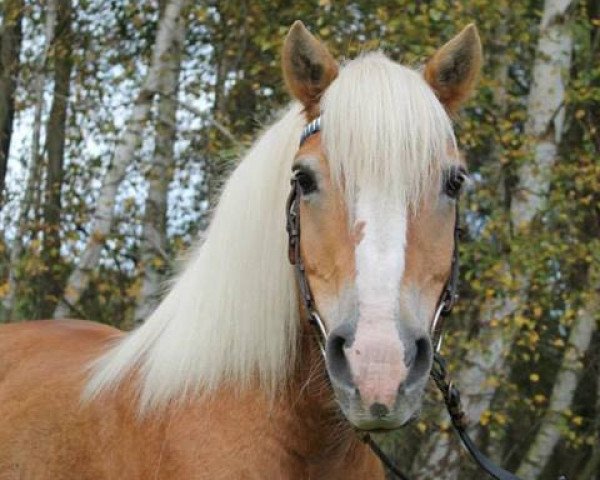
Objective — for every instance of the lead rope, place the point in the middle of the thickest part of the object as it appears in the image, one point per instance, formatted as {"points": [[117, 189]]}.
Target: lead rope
{"points": [[387, 461]]}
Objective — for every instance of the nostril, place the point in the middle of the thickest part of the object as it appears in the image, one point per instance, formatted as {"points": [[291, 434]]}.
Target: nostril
{"points": [[335, 349], [423, 350], [379, 410], [410, 355], [337, 363], [418, 361]]}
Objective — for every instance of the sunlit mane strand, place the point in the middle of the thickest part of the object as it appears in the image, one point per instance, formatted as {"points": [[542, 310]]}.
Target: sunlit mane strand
{"points": [[383, 127], [231, 314]]}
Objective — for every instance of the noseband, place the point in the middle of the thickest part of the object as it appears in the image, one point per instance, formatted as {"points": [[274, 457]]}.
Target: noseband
{"points": [[444, 307]]}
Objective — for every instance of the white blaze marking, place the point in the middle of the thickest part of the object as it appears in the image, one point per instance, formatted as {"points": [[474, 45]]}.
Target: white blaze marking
{"points": [[376, 357], [380, 257]]}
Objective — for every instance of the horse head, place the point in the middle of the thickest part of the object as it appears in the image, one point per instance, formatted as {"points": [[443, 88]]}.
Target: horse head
{"points": [[378, 175]]}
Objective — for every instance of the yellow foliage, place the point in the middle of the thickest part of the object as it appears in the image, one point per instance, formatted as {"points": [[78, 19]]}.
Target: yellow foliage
{"points": [[134, 289], [485, 418], [500, 418], [4, 289], [157, 263], [577, 420], [533, 338], [492, 382]]}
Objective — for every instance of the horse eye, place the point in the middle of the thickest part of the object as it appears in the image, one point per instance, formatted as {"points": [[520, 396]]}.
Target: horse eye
{"points": [[454, 178], [307, 181]]}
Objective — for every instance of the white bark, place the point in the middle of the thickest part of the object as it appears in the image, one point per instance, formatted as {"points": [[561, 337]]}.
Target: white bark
{"points": [[439, 458], [159, 175], [34, 167], [102, 218], [563, 391], [545, 108]]}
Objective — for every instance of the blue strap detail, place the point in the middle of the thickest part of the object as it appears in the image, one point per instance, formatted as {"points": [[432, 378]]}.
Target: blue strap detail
{"points": [[310, 129]]}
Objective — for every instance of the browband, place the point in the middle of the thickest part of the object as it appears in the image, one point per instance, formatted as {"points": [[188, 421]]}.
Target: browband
{"points": [[310, 129]]}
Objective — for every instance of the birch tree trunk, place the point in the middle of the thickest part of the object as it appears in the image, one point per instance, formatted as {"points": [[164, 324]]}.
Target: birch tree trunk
{"points": [[49, 286], [34, 168], [439, 458], [102, 218], [159, 175], [563, 390], [10, 48]]}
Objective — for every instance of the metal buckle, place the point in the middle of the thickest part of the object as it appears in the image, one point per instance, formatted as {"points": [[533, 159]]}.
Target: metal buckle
{"points": [[434, 325], [315, 320]]}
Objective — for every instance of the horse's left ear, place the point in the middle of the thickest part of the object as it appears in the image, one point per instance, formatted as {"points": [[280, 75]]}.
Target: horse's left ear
{"points": [[453, 70], [308, 67]]}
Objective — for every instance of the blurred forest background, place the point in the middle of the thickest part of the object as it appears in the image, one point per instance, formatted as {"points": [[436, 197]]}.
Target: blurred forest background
{"points": [[119, 120]]}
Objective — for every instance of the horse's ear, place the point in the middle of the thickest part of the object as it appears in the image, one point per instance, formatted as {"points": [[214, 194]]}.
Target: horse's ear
{"points": [[453, 70], [308, 67]]}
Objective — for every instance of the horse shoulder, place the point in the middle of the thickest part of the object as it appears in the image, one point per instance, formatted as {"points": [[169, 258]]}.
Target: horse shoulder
{"points": [[45, 429], [23, 345]]}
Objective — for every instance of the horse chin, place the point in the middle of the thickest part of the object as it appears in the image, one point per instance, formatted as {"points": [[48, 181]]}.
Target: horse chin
{"points": [[381, 425], [406, 410], [378, 426]]}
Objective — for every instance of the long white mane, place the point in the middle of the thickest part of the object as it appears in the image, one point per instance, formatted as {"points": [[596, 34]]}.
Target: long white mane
{"points": [[231, 315]]}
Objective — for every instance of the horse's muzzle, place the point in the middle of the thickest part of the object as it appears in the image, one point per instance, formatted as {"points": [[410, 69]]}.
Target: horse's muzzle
{"points": [[378, 377]]}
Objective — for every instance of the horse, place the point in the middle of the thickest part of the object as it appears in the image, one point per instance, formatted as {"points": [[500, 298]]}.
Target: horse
{"points": [[226, 378]]}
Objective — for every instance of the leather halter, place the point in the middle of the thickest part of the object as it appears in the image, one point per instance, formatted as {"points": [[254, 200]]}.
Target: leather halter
{"points": [[446, 301], [447, 298]]}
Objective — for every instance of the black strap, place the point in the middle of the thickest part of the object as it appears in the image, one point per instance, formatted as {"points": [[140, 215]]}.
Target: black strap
{"points": [[383, 457], [451, 397], [449, 295], [457, 416], [452, 400]]}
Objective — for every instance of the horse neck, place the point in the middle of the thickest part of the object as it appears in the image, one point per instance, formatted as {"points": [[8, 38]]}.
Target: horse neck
{"points": [[300, 432], [314, 427], [311, 404]]}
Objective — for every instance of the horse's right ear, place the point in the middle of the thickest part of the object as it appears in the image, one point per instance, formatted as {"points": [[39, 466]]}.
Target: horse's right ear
{"points": [[453, 70], [308, 67]]}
